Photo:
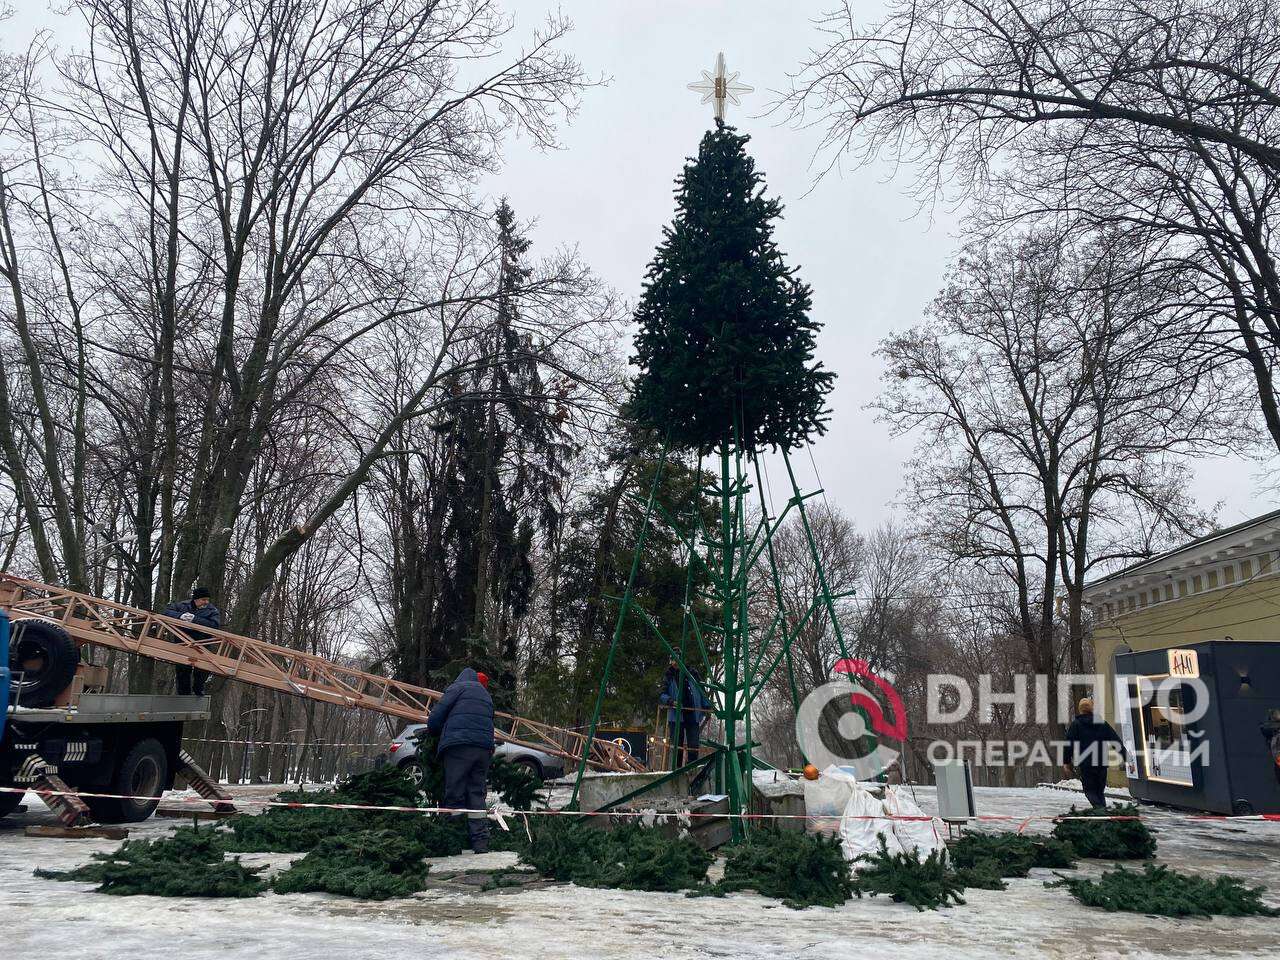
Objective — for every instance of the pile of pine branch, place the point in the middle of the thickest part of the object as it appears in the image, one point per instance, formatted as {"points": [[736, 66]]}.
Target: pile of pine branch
{"points": [[629, 857], [515, 784], [190, 863], [800, 869], [926, 884], [369, 864], [977, 857], [1095, 839], [301, 829], [1168, 893]]}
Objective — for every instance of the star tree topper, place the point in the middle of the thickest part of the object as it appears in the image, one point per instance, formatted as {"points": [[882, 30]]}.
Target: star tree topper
{"points": [[720, 87]]}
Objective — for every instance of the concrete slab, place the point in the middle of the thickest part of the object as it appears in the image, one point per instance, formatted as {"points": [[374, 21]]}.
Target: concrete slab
{"points": [[601, 789]]}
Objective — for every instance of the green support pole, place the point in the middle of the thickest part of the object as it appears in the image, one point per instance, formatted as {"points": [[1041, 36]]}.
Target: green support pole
{"points": [[745, 765], [728, 762], [817, 561]]}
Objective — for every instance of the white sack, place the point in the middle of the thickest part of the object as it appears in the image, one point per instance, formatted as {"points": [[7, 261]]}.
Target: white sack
{"points": [[922, 835], [826, 798], [863, 825]]}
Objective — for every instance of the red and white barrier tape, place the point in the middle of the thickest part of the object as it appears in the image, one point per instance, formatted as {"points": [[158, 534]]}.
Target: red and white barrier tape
{"points": [[285, 743], [500, 812]]}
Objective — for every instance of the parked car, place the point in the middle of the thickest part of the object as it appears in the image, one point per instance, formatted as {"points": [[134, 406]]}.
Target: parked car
{"points": [[403, 753]]}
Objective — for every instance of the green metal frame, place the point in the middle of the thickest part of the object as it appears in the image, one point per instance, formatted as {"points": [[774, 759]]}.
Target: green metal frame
{"points": [[728, 554]]}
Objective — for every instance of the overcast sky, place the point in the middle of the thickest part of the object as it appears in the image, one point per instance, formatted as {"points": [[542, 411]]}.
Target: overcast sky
{"points": [[872, 259]]}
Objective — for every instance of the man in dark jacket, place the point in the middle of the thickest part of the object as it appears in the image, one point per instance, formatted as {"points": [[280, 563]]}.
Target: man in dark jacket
{"points": [[198, 611], [463, 720], [1087, 743], [686, 710]]}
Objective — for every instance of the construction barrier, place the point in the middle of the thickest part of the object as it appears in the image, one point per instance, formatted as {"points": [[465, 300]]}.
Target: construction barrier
{"points": [[501, 811]]}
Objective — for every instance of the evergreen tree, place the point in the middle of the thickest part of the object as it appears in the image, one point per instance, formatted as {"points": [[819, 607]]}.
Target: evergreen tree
{"points": [[468, 529], [725, 336], [595, 559]]}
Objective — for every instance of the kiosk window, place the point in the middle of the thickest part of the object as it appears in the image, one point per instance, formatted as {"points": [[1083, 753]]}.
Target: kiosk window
{"points": [[1167, 738]]}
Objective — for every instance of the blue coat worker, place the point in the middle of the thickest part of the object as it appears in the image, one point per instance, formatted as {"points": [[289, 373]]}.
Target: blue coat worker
{"points": [[685, 712], [198, 611], [1087, 738], [463, 720]]}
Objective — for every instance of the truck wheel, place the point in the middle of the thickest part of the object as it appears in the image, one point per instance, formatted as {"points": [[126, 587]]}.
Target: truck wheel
{"points": [[43, 658], [142, 773]]}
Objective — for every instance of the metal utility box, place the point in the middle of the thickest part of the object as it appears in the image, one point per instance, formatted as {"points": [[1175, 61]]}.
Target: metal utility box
{"points": [[955, 790], [1201, 724]]}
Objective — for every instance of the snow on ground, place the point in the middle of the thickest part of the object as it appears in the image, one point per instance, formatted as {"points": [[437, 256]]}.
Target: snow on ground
{"points": [[1114, 793], [549, 922]]}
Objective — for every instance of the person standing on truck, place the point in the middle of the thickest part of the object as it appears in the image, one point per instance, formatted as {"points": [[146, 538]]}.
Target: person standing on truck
{"points": [[198, 611], [463, 720], [1086, 739]]}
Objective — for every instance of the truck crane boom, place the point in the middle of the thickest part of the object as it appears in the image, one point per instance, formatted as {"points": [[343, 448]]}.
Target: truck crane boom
{"points": [[106, 623]]}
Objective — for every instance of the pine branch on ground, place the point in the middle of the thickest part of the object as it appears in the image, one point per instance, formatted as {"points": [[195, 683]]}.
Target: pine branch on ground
{"points": [[1095, 839], [800, 869], [982, 875], [514, 840], [925, 884], [369, 864], [627, 858], [299, 830], [189, 863], [515, 784], [1009, 854], [1168, 893]]}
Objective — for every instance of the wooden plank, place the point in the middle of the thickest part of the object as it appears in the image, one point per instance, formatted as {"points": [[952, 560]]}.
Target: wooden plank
{"points": [[76, 833]]}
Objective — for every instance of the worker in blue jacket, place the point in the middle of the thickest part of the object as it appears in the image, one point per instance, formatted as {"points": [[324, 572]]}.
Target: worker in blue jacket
{"points": [[199, 611], [463, 720], [687, 710]]}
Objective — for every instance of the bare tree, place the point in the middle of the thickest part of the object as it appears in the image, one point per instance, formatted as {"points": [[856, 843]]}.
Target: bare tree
{"points": [[1157, 115], [272, 183], [43, 315], [1050, 406]]}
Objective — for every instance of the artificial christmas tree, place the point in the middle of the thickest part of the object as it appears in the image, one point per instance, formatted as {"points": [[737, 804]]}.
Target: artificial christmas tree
{"points": [[726, 345], [725, 350]]}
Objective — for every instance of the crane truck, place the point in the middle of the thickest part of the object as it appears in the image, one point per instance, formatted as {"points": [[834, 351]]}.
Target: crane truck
{"points": [[55, 725], [61, 733]]}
